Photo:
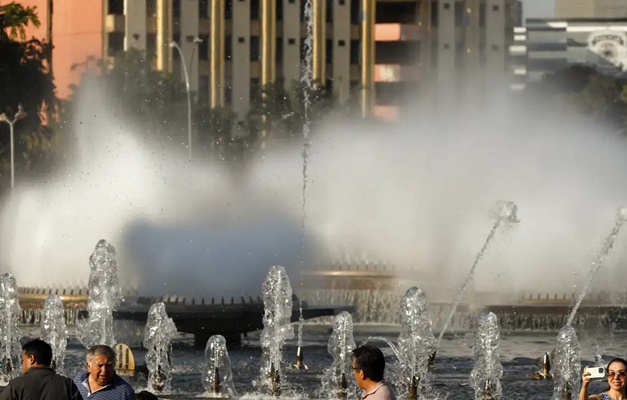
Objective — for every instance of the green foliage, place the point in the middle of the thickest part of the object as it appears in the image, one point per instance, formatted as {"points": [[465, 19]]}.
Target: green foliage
{"points": [[24, 79], [284, 110], [155, 98], [14, 18]]}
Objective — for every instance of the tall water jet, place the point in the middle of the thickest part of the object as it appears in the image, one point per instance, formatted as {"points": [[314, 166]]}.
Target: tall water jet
{"points": [[567, 364], [10, 349], [104, 295], [159, 332], [300, 364], [621, 217], [341, 344], [485, 377], [277, 301], [54, 330], [507, 212], [217, 377], [416, 343], [306, 79]]}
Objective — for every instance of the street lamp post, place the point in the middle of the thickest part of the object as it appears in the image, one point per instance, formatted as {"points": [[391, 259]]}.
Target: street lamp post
{"points": [[20, 114], [176, 46]]}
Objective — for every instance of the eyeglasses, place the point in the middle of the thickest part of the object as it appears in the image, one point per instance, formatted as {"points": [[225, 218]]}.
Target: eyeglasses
{"points": [[612, 374], [356, 369]]}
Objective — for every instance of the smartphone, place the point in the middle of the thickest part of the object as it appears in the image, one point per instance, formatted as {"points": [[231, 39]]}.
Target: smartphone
{"points": [[597, 372]]}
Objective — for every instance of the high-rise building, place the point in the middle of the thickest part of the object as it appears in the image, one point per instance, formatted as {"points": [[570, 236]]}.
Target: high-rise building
{"points": [[590, 8], [547, 45], [379, 50]]}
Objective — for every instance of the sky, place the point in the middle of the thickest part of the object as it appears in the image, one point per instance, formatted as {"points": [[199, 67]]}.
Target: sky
{"points": [[538, 8]]}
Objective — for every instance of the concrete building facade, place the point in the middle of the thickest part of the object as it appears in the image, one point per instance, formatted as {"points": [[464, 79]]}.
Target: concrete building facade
{"points": [[548, 45], [590, 9], [382, 51]]}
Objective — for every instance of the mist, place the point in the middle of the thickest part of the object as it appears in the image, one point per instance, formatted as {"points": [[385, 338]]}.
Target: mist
{"points": [[418, 195]]}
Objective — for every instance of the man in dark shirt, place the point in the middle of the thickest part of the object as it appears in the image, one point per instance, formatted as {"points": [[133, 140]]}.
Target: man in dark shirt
{"points": [[39, 380], [100, 382]]}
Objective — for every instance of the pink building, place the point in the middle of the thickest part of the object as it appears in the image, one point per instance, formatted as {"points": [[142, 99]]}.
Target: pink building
{"points": [[76, 30]]}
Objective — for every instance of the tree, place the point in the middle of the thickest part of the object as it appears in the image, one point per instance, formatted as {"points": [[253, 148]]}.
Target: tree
{"points": [[155, 98], [285, 111], [25, 80]]}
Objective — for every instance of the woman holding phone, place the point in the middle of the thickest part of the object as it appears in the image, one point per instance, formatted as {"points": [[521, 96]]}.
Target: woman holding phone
{"points": [[616, 378]]}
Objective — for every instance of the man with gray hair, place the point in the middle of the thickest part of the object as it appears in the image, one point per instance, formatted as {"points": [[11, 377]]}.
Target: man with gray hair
{"points": [[100, 382]]}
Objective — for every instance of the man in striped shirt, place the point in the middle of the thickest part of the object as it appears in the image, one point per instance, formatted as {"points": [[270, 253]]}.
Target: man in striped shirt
{"points": [[100, 382]]}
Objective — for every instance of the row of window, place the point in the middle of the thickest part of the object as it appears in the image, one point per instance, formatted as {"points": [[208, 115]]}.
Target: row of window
{"points": [[386, 12]]}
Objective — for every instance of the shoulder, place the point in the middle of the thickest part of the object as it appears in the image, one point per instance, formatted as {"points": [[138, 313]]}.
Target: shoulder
{"points": [[122, 385], [80, 378], [18, 381], [387, 391]]}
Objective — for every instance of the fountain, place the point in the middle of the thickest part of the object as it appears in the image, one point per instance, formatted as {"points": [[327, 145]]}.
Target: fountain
{"points": [[157, 339], [9, 332], [341, 344], [217, 377], [545, 369], [485, 377], [54, 330], [567, 365], [277, 300], [608, 244], [300, 365], [507, 212], [104, 295], [416, 343]]}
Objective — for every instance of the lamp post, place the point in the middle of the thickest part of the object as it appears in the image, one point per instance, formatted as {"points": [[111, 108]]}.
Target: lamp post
{"points": [[20, 114], [176, 46]]}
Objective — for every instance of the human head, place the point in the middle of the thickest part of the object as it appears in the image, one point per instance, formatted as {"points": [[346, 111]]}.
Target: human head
{"points": [[368, 364], [615, 379], [100, 361], [36, 353], [145, 395]]}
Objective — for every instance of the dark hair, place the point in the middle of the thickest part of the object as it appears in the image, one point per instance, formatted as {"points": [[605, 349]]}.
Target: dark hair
{"points": [[40, 350], [145, 395], [617, 359], [370, 360]]}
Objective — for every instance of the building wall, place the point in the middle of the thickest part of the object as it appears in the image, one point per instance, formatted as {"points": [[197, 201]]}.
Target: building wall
{"points": [[76, 37], [590, 8], [574, 8], [421, 45], [549, 45]]}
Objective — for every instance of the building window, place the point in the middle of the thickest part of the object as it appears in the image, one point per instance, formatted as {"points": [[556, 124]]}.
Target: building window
{"points": [[341, 43], [495, 47], [175, 54], [151, 8], [116, 7], [116, 43], [495, 7], [342, 2], [176, 8], [446, 46], [228, 47], [254, 10], [255, 51], [446, 6], [203, 9], [241, 39], [203, 48], [291, 41]]}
